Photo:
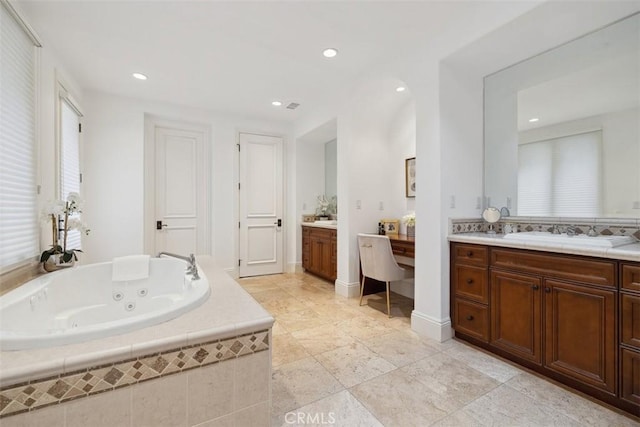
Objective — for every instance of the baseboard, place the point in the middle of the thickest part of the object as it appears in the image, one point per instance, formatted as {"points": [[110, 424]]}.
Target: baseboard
{"points": [[233, 272], [294, 267], [349, 290], [439, 330]]}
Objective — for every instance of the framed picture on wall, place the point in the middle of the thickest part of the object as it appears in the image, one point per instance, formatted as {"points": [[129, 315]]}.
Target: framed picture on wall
{"points": [[410, 176], [391, 226]]}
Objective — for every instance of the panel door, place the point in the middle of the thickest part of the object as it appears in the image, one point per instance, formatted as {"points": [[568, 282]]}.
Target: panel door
{"points": [[261, 205], [580, 333], [516, 315], [181, 195]]}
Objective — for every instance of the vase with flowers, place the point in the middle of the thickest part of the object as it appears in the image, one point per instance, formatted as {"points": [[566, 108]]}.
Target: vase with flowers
{"points": [[63, 215], [410, 220]]}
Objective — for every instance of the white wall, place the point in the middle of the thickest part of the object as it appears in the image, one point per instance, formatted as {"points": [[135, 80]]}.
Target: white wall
{"points": [[114, 185]]}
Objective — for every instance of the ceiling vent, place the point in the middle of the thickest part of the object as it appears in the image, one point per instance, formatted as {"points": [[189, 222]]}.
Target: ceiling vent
{"points": [[293, 106]]}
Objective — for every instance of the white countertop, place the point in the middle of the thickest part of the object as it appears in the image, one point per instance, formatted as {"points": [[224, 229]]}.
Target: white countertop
{"points": [[229, 311], [320, 224], [629, 252]]}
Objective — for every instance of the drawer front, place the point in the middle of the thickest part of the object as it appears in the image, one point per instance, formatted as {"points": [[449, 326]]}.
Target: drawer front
{"points": [[471, 282], [630, 330], [471, 319], [403, 248], [631, 277], [596, 272], [470, 254]]}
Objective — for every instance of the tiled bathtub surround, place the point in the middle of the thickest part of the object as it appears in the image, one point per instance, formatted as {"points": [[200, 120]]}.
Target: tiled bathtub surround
{"points": [[212, 364], [604, 226], [62, 388]]}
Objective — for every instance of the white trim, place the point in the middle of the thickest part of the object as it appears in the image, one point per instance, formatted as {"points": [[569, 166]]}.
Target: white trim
{"points": [[435, 329], [347, 289], [25, 26], [233, 272], [294, 267]]}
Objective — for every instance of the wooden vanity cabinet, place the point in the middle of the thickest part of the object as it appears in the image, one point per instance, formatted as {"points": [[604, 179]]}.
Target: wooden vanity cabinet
{"points": [[630, 334], [470, 290], [555, 313], [319, 251]]}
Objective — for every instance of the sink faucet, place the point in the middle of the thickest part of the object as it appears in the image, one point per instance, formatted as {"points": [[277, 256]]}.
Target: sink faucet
{"points": [[191, 259], [571, 230]]}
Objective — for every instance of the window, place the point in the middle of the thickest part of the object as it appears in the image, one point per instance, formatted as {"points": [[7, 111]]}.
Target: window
{"points": [[69, 155], [18, 204], [561, 176]]}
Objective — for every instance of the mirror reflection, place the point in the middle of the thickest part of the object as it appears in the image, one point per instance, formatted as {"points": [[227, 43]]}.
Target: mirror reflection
{"points": [[562, 129]]}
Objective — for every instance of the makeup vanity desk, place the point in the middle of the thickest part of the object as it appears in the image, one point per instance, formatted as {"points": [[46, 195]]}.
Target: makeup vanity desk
{"points": [[403, 245]]}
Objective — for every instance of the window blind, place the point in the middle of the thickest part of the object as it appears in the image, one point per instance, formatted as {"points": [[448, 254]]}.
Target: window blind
{"points": [[561, 176], [18, 204], [70, 162]]}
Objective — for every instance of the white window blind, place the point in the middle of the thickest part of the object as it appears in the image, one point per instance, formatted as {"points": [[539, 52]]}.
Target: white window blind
{"points": [[561, 176], [18, 204], [69, 161]]}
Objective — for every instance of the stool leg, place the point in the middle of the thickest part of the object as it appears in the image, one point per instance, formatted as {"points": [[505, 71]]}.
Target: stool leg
{"points": [[362, 289], [388, 303]]}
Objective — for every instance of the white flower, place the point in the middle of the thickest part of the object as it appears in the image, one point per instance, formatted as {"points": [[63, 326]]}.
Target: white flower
{"points": [[410, 218], [74, 202], [75, 223]]}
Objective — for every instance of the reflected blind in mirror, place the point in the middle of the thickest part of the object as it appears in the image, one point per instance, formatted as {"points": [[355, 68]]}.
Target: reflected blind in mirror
{"points": [[561, 176]]}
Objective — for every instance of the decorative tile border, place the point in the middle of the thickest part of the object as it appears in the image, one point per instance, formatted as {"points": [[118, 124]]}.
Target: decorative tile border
{"points": [[37, 394], [603, 226]]}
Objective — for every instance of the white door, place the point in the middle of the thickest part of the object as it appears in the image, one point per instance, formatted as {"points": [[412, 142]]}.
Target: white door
{"points": [[261, 205], [181, 191]]}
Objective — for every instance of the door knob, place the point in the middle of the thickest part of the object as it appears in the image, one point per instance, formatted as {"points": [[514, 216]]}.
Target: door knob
{"points": [[160, 225]]}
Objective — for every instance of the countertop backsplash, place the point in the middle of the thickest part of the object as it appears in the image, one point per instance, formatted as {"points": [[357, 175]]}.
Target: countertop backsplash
{"points": [[603, 226]]}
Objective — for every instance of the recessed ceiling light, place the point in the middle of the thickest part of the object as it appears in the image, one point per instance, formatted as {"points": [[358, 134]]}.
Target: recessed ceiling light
{"points": [[533, 120], [276, 103], [330, 52], [401, 89], [139, 76]]}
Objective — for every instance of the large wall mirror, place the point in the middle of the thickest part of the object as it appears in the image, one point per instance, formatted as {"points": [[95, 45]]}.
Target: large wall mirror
{"points": [[562, 129]]}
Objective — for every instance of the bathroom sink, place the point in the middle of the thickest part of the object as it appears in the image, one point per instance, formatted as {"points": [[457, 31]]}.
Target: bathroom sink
{"points": [[579, 240], [327, 222]]}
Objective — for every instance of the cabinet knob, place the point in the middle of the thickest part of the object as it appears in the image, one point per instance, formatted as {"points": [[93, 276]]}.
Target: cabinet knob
{"points": [[547, 290], [469, 317], [469, 281], [469, 253], [535, 287]]}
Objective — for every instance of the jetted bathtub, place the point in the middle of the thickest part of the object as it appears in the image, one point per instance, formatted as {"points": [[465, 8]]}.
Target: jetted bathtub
{"points": [[83, 303]]}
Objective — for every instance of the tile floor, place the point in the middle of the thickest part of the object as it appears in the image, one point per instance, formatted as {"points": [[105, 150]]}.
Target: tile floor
{"points": [[336, 363]]}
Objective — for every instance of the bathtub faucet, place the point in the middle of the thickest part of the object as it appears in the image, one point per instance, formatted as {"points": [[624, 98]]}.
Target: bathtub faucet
{"points": [[191, 259]]}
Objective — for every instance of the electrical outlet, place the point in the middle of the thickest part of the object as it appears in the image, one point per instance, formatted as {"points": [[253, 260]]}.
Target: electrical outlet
{"points": [[478, 202], [381, 207], [304, 206], [452, 203], [358, 204], [508, 202]]}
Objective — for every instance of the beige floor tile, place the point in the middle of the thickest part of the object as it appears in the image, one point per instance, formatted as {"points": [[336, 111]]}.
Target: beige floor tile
{"points": [[458, 419], [304, 319], [285, 305], [363, 327], [483, 362], [586, 412], [299, 383], [451, 378], [287, 349], [504, 406], [255, 285], [354, 364], [334, 311], [400, 347], [323, 338], [270, 295], [398, 399], [340, 409]]}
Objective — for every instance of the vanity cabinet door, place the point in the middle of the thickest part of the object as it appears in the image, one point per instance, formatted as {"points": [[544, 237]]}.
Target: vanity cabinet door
{"points": [[580, 333], [516, 314], [630, 370]]}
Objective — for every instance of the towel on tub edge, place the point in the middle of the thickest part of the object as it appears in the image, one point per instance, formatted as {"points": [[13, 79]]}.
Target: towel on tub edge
{"points": [[134, 267]]}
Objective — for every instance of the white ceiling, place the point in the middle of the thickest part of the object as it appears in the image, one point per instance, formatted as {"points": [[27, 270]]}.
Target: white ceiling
{"points": [[237, 57]]}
